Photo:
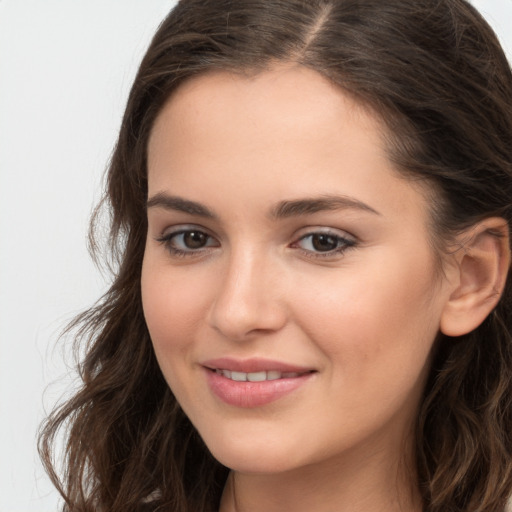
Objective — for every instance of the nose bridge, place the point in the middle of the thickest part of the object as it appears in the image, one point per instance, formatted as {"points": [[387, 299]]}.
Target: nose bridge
{"points": [[247, 298]]}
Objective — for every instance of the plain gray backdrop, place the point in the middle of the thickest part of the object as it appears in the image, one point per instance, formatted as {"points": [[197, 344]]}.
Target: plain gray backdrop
{"points": [[65, 72]]}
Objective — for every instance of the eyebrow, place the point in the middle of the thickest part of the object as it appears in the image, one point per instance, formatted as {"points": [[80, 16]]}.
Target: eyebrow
{"points": [[167, 202], [307, 206], [283, 209]]}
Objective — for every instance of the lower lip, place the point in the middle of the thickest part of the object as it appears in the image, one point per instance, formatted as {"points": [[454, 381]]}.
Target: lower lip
{"points": [[252, 394]]}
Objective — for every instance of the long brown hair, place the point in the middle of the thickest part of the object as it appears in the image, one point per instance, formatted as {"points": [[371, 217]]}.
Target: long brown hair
{"points": [[435, 73]]}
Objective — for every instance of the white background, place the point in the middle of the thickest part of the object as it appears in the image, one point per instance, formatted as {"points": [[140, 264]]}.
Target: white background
{"points": [[65, 71]]}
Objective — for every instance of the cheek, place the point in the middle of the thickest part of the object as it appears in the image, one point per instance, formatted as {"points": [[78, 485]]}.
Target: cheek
{"points": [[374, 322], [172, 309]]}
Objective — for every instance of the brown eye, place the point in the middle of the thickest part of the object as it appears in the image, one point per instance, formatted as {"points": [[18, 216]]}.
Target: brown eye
{"points": [[188, 242], [195, 239], [322, 242]]}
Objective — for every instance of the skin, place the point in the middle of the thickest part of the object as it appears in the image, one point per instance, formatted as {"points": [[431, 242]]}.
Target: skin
{"points": [[363, 317]]}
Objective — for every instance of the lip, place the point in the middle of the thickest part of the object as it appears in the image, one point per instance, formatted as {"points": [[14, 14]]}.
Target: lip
{"points": [[253, 394], [253, 365]]}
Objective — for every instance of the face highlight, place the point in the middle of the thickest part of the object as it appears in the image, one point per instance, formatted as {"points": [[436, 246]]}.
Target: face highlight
{"points": [[288, 282]]}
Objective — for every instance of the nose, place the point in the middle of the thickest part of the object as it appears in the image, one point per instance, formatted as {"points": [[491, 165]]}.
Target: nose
{"points": [[247, 300]]}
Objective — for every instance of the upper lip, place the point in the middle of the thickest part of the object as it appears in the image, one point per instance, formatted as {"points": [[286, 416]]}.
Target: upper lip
{"points": [[253, 365]]}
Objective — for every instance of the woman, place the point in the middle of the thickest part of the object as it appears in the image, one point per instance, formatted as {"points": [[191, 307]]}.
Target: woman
{"points": [[311, 205]]}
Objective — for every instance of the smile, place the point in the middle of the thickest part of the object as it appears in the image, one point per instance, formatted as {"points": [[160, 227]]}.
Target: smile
{"points": [[254, 382], [257, 376]]}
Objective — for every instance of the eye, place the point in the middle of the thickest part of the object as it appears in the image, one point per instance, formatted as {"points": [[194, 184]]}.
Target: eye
{"points": [[185, 242], [324, 243], [191, 239]]}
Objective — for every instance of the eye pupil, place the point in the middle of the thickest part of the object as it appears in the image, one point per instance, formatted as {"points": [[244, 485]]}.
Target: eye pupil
{"points": [[194, 239], [322, 242]]}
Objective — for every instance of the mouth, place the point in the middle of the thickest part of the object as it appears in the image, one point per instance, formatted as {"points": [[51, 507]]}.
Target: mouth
{"points": [[260, 376], [255, 382]]}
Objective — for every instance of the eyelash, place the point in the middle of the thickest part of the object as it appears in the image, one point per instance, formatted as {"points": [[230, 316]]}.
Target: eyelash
{"points": [[168, 239], [342, 244]]}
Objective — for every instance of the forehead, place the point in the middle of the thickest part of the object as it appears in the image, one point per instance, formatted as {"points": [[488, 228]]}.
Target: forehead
{"points": [[283, 105], [224, 132], [282, 84], [224, 96]]}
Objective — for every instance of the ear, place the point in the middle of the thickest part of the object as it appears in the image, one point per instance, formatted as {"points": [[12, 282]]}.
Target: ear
{"points": [[481, 268]]}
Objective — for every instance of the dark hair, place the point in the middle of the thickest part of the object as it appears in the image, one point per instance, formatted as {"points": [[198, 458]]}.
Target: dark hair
{"points": [[435, 73]]}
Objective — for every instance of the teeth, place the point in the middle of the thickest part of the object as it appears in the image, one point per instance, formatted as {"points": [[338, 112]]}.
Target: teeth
{"points": [[256, 376]]}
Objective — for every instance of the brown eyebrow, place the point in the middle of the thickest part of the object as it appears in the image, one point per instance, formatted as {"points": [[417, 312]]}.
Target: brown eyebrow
{"points": [[162, 200], [284, 209], [308, 206]]}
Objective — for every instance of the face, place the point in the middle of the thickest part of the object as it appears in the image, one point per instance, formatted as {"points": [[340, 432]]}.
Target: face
{"points": [[288, 282]]}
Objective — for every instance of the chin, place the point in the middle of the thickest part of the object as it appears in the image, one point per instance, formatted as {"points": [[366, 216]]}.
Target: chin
{"points": [[254, 463], [256, 455]]}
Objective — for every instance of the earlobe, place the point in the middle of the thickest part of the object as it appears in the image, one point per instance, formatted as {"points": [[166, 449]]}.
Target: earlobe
{"points": [[482, 264]]}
